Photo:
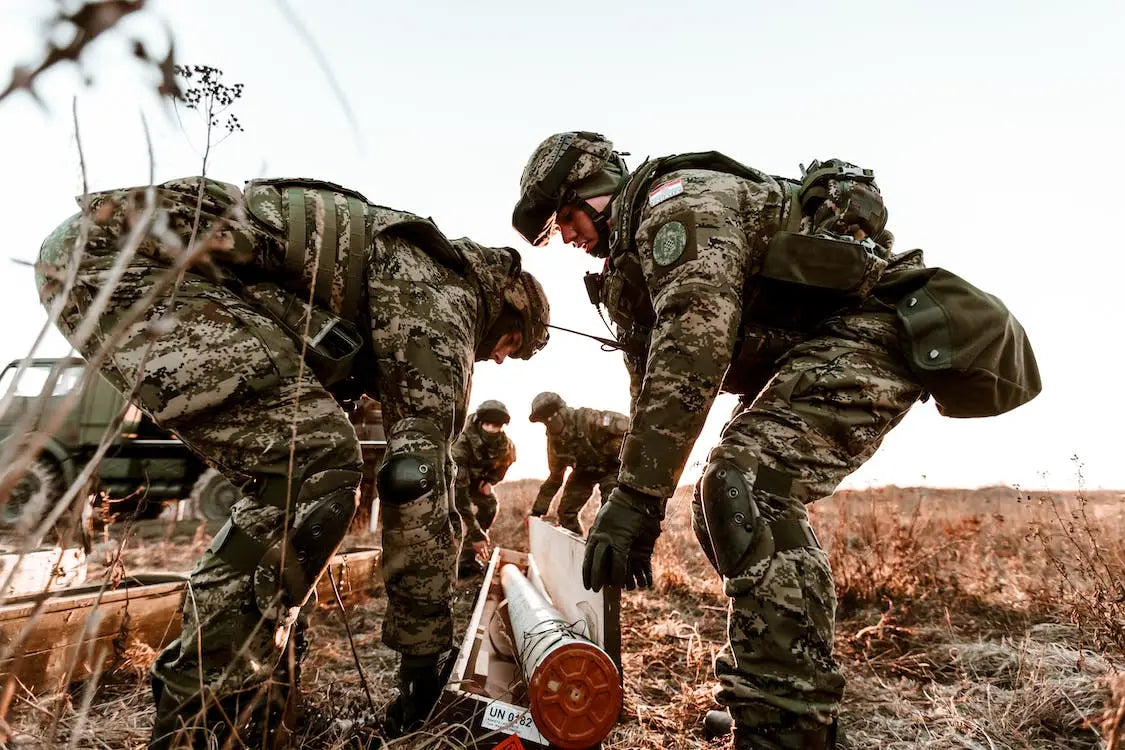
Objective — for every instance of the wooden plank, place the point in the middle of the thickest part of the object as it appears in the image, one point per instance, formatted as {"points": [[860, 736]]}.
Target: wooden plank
{"points": [[51, 569], [75, 625]]}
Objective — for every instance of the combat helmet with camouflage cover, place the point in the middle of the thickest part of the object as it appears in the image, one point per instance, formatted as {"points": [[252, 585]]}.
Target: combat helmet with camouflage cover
{"points": [[526, 296], [564, 170], [545, 405], [514, 299], [492, 412]]}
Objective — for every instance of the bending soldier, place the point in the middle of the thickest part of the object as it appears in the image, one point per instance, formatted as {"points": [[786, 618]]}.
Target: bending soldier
{"points": [[718, 276], [587, 441], [192, 299], [483, 453]]}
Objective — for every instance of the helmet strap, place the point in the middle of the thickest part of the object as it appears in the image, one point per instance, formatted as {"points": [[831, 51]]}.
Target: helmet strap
{"points": [[600, 220]]}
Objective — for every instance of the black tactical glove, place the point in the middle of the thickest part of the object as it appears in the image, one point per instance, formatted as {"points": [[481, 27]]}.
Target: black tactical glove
{"points": [[619, 544]]}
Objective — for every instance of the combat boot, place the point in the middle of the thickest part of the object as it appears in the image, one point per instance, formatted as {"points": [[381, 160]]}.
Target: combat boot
{"points": [[265, 721], [769, 738], [420, 682]]}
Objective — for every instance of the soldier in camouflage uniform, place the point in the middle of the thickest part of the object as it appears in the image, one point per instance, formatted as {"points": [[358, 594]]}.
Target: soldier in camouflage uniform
{"points": [[483, 454], [587, 441], [193, 299], [701, 306]]}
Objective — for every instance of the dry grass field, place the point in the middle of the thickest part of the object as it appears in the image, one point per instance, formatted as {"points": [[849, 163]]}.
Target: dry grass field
{"points": [[968, 619]]}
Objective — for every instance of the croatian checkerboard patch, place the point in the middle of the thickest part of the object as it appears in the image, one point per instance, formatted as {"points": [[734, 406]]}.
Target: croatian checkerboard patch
{"points": [[669, 243], [664, 191]]}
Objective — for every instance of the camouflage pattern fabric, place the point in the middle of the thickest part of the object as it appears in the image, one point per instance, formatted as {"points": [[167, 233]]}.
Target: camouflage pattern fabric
{"points": [[228, 381], [223, 378], [595, 152], [425, 324], [578, 490], [589, 440], [837, 382], [481, 457]]}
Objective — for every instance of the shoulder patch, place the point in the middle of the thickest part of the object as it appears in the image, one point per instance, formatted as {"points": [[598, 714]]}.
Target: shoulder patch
{"points": [[664, 191], [669, 243]]}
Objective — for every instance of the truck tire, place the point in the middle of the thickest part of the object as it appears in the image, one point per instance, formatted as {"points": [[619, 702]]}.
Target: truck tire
{"points": [[33, 497], [212, 497]]}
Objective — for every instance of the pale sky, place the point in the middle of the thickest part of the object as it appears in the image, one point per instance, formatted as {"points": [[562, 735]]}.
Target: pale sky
{"points": [[994, 130]]}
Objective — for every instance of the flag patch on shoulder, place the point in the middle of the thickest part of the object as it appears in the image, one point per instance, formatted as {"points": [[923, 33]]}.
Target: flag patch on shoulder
{"points": [[664, 191]]}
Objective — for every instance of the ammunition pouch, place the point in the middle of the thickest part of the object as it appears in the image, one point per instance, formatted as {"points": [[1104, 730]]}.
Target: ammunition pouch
{"points": [[331, 343], [835, 265], [963, 344]]}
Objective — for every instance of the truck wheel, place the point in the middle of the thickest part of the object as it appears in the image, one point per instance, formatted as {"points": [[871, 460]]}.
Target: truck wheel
{"points": [[212, 497], [33, 497]]}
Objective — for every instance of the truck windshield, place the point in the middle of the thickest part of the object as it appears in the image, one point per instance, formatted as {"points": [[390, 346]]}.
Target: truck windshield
{"points": [[37, 378]]}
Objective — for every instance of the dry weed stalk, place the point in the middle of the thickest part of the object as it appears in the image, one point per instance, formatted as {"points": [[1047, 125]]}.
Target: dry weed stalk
{"points": [[1089, 563]]}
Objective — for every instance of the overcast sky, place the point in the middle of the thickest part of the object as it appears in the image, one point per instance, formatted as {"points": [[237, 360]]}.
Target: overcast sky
{"points": [[994, 129]]}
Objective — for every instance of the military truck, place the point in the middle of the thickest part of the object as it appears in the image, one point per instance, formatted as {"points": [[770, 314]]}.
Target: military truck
{"points": [[144, 467]]}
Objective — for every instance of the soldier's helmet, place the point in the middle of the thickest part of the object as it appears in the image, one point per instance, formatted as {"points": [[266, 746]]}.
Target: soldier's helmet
{"points": [[544, 406], [837, 196], [526, 296], [563, 169], [492, 412]]}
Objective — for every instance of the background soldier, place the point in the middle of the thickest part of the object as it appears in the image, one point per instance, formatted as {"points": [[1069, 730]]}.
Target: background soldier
{"points": [[483, 453], [589, 441], [191, 298], [785, 292]]}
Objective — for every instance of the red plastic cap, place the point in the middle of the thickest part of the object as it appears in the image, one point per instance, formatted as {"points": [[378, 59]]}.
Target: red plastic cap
{"points": [[575, 696]]}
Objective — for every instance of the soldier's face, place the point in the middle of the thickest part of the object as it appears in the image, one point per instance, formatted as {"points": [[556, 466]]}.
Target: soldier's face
{"points": [[508, 345], [489, 427], [576, 228]]}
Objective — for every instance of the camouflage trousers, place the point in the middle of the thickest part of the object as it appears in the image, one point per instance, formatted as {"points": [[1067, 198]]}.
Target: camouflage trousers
{"points": [[227, 381], [824, 413], [420, 543], [485, 508], [577, 491]]}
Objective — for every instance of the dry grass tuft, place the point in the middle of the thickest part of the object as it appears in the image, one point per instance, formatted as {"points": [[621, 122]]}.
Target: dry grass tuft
{"points": [[978, 619]]}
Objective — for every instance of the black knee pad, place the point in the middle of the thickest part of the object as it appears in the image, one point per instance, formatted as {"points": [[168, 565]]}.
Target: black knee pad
{"points": [[405, 478], [731, 515]]}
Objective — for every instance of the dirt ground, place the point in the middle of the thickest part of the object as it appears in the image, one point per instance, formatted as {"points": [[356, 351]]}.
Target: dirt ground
{"points": [[967, 619]]}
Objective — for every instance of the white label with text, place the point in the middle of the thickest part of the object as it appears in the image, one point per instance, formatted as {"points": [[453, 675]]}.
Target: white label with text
{"points": [[505, 717]]}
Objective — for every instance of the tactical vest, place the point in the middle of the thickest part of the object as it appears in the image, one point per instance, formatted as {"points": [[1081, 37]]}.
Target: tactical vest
{"points": [[964, 346], [803, 279], [326, 230]]}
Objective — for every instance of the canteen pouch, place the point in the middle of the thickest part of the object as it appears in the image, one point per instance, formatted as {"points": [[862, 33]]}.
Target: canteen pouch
{"points": [[965, 346], [332, 344]]}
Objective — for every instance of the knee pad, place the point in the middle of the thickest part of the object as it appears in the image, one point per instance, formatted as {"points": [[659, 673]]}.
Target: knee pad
{"points": [[405, 478], [733, 518], [284, 573], [326, 503], [731, 515]]}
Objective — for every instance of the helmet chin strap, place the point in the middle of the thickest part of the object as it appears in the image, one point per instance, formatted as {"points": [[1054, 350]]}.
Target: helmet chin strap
{"points": [[600, 220]]}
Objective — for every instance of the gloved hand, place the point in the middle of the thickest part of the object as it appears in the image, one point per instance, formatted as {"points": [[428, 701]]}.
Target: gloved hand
{"points": [[620, 543]]}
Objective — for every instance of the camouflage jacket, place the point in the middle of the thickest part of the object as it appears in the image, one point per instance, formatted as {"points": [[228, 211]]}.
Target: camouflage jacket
{"points": [[424, 301], [588, 440], [683, 286], [480, 457]]}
